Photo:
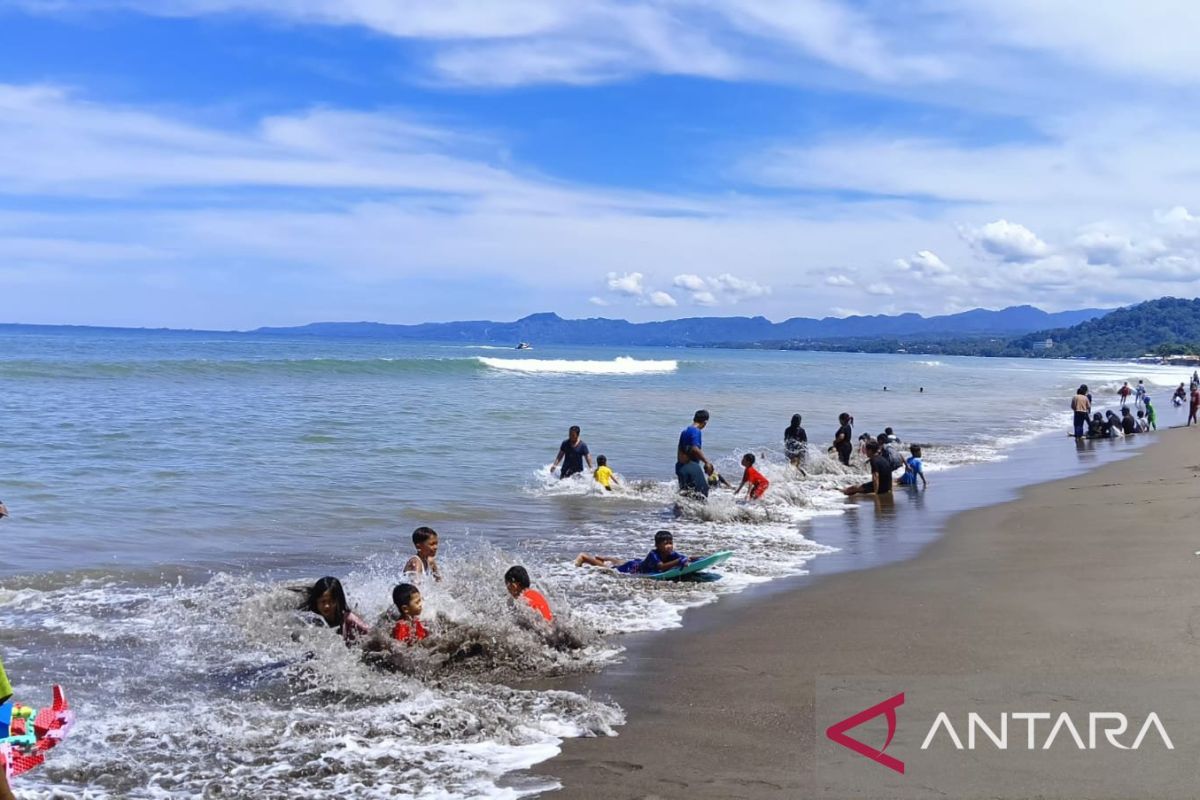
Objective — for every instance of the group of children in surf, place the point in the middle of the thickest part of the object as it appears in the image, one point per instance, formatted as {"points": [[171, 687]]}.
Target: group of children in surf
{"points": [[1094, 425], [401, 623]]}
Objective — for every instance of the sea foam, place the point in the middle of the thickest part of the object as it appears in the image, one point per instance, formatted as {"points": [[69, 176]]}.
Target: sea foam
{"points": [[622, 365]]}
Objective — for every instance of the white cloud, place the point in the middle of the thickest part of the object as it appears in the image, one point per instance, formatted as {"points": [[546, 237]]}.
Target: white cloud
{"points": [[662, 300], [704, 299], [737, 289], [880, 289], [692, 283], [1103, 247], [628, 284], [597, 301], [838, 280], [924, 262], [1008, 240]]}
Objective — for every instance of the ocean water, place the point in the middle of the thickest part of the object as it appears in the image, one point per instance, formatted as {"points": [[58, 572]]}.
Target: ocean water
{"points": [[167, 490]]}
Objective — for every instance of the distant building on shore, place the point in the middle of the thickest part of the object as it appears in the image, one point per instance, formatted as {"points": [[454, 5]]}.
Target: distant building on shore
{"points": [[1045, 344]]}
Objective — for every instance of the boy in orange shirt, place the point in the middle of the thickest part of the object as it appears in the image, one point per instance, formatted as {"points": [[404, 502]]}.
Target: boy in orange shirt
{"points": [[517, 582], [758, 483], [408, 602]]}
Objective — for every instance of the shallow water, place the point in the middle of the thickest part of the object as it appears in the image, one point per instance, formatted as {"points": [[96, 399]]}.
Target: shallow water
{"points": [[166, 489]]}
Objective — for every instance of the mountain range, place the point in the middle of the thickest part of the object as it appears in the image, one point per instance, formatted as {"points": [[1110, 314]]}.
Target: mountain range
{"points": [[550, 328]]}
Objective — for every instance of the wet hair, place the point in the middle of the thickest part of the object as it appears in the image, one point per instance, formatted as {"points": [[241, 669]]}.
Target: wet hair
{"points": [[795, 421], [317, 590], [518, 575], [889, 431], [882, 438], [700, 416], [915, 450], [403, 594], [601, 461], [423, 534], [748, 457], [663, 536], [872, 447], [844, 417], [1082, 389], [1141, 414], [574, 429]]}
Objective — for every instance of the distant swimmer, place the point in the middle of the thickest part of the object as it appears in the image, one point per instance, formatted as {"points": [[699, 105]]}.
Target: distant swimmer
{"points": [[572, 453], [690, 455], [921, 390]]}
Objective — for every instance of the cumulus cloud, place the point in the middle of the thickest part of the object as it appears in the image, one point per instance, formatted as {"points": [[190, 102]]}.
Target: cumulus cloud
{"points": [[692, 283], [1102, 247], [1010, 241], [880, 289], [925, 263], [710, 291], [838, 280], [628, 284], [704, 299], [662, 300], [737, 289], [597, 301]]}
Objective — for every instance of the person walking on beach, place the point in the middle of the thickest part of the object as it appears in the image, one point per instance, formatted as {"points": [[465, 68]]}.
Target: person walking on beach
{"points": [[843, 440], [572, 453], [795, 442], [1124, 392], [690, 455], [1195, 404], [1082, 408]]}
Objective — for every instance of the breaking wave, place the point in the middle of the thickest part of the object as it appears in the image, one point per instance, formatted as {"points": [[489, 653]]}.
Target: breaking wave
{"points": [[622, 365]]}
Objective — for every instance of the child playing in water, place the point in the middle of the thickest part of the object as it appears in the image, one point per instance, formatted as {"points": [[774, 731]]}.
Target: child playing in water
{"points": [[715, 479], [327, 600], [1151, 414], [662, 558], [426, 541], [758, 483], [516, 580], [913, 469], [604, 474], [407, 599], [1142, 425]]}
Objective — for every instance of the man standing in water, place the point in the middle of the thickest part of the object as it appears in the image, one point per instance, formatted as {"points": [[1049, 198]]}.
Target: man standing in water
{"points": [[690, 456], [572, 453]]}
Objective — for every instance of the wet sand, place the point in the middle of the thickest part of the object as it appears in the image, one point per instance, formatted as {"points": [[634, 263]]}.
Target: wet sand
{"points": [[1090, 575]]}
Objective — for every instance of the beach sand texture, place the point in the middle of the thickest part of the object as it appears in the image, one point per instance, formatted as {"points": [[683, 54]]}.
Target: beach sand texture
{"points": [[1091, 578]]}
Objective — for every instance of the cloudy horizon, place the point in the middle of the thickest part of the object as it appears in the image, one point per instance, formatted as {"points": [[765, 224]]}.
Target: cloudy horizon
{"points": [[230, 164]]}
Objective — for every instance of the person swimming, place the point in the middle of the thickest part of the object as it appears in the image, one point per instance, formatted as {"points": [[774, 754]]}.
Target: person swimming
{"points": [[327, 600]]}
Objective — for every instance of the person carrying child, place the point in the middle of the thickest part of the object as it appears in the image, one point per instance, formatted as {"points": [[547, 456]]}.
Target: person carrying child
{"points": [[758, 483], [516, 580], [914, 468], [408, 629], [604, 474], [425, 561], [662, 558], [327, 600]]}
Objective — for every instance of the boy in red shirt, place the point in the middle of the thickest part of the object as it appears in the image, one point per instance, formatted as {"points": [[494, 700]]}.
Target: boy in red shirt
{"points": [[408, 602], [758, 484], [517, 582]]}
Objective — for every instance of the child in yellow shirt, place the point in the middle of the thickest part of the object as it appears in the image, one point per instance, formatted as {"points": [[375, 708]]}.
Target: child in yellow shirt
{"points": [[604, 474]]}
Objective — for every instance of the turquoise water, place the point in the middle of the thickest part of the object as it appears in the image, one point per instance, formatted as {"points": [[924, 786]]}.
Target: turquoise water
{"points": [[165, 489]]}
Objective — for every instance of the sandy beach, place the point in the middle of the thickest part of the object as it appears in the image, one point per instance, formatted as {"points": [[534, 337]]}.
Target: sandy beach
{"points": [[1087, 579]]}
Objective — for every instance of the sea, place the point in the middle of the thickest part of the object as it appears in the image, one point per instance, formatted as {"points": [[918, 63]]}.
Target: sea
{"points": [[170, 491]]}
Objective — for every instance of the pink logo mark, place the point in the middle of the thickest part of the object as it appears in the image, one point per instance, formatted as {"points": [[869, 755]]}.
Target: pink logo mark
{"points": [[837, 732]]}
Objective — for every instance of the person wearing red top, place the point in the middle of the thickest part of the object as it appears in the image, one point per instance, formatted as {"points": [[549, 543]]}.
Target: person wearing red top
{"points": [[1194, 405], [517, 582], [758, 483], [408, 602]]}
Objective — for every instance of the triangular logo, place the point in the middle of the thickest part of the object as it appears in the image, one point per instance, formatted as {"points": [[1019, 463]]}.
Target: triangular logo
{"points": [[837, 732]]}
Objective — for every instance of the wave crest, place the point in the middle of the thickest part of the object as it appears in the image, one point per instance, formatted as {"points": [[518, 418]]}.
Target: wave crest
{"points": [[622, 365]]}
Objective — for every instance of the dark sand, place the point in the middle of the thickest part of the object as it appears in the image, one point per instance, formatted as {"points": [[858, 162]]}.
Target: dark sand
{"points": [[1092, 576]]}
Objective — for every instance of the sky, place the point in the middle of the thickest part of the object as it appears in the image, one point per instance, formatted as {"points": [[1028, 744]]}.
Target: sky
{"points": [[235, 163]]}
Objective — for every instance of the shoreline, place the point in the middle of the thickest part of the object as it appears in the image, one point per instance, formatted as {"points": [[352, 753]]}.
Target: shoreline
{"points": [[756, 655]]}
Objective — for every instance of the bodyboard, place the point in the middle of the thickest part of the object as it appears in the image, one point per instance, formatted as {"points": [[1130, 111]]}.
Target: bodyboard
{"points": [[690, 567]]}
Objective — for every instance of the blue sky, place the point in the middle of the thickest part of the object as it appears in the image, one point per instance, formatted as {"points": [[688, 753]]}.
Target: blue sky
{"points": [[235, 163]]}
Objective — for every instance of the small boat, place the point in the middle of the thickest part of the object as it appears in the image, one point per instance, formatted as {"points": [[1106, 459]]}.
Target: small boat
{"points": [[524, 346]]}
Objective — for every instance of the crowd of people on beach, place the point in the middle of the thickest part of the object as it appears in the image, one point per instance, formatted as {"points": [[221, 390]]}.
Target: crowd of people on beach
{"points": [[1140, 416]]}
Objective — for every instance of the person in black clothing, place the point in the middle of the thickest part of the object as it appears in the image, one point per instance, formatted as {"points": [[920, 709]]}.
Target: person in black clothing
{"points": [[571, 453], [1128, 423], [795, 442], [843, 440], [881, 474]]}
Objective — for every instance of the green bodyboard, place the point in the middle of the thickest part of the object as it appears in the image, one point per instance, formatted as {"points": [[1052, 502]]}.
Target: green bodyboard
{"points": [[692, 566]]}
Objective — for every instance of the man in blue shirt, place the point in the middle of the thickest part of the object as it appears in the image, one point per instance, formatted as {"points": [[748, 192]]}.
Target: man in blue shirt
{"points": [[690, 456], [571, 453]]}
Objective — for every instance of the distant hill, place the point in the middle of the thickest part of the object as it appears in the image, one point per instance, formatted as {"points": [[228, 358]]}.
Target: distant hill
{"points": [[1166, 326], [549, 328]]}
